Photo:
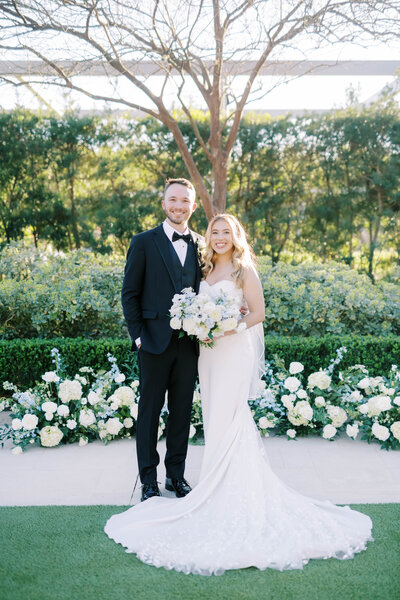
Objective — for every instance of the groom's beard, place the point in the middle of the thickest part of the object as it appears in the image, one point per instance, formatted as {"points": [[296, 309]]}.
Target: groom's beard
{"points": [[178, 219]]}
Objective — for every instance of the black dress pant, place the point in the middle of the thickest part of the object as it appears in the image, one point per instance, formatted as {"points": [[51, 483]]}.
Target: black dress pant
{"points": [[175, 371]]}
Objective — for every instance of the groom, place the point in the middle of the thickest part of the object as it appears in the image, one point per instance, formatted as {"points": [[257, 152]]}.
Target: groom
{"points": [[160, 263]]}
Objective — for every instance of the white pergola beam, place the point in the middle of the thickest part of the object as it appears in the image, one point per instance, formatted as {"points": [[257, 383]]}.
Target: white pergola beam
{"points": [[232, 68]]}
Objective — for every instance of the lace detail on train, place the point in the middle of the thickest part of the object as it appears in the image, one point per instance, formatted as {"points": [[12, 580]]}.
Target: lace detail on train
{"points": [[240, 514]]}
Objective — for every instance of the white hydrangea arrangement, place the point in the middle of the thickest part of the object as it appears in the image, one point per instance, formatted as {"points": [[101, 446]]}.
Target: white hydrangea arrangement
{"points": [[351, 402], [62, 409], [104, 405], [202, 317]]}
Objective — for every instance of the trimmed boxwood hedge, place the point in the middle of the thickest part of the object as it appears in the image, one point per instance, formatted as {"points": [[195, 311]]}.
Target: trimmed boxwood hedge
{"points": [[23, 361]]}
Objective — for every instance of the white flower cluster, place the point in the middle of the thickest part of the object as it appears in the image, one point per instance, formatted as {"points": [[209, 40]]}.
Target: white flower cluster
{"points": [[202, 317]]}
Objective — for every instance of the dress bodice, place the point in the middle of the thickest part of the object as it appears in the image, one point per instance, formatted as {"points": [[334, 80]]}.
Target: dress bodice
{"points": [[228, 286]]}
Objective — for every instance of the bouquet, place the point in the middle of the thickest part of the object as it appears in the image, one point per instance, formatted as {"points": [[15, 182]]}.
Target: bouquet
{"points": [[202, 317]]}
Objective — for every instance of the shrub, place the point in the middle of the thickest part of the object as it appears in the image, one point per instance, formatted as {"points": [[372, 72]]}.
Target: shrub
{"points": [[327, 299], [49, 294], [52, 294]]}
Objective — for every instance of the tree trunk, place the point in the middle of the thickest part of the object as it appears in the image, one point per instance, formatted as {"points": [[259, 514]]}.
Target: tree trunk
{"points": [[220, 172]]}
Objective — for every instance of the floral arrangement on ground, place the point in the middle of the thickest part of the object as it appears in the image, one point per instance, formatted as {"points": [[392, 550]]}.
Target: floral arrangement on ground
{"points": [[104, 405]]}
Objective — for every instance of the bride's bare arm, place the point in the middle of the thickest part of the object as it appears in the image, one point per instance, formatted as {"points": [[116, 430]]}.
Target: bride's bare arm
{"points": [[253, 294]]}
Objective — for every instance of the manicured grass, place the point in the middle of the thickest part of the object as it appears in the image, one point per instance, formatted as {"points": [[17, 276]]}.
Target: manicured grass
{"points": [[61, 553]]}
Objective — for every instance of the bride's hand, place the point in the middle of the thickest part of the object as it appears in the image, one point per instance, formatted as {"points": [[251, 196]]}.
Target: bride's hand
{"points": [[230, 332]]}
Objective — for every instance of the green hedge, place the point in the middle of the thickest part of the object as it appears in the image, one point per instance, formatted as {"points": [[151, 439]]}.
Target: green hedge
{"points": [[24, 361], [47, 295]]}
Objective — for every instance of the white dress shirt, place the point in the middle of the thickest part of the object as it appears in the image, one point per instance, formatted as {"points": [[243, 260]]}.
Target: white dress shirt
{"points": [[180, 247]]}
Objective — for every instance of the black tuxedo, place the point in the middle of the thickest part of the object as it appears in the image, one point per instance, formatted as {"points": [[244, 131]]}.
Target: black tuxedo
{"points": [[153, 274]]}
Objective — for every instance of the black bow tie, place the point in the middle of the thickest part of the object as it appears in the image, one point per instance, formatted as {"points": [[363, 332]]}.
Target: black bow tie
{"points": [[186, 238]]}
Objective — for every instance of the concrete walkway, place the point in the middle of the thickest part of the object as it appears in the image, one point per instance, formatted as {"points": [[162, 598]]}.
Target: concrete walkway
{"points": [[343, 471]]}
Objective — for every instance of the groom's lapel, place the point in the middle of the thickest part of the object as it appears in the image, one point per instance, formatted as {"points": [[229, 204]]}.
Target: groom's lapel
{"points": [[163, 244]]}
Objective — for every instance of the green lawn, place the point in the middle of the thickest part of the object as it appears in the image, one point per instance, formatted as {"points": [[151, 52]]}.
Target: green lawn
{"points": [[61, 553]]}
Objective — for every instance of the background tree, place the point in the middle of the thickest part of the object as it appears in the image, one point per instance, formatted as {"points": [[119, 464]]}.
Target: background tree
{"points": [[190, 42]]}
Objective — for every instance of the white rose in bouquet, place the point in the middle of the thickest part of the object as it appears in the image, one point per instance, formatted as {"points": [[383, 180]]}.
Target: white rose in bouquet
{"points": [[380, 432], [292, 384], [87, 418], [396, 401], [337, 415], [17, 450], [16, 424], [50, 377], [378, 404], [113, 426], [352, 430], [83, 441], [395, 429], [216, 314], [294, 368], [63, 410], [135, 384], [29, 422], [70, 389], [189, 325], [49, 416], [320, 380], [319, 401], [50, 436], [128, 423], [71, 424], [49, 407], [328, 432], [228, 324], [175, 323], [291, 433], [301, 394], [134, 411]]}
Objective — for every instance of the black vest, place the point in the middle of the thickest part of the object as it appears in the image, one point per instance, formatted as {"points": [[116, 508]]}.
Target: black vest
{"points": [[184, 276]]}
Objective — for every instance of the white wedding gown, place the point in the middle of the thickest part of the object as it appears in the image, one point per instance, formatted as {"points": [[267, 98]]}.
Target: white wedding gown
{"points": [[240, 514]]}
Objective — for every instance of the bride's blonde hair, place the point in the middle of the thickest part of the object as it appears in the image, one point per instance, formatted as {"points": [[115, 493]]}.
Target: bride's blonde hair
{"points": [[242, 256]]}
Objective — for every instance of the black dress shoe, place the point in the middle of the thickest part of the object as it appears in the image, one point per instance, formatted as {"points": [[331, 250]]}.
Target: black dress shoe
{"points": [[180, 486], [149, 490]]}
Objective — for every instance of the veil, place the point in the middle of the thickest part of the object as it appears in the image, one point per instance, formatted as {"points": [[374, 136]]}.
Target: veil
{"points": [[258, 344]]}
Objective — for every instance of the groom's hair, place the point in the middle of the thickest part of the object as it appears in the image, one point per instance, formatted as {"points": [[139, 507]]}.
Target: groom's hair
{"points": [[179, 180]]}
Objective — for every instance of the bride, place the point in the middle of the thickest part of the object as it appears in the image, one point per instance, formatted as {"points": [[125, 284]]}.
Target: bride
{"points": [[240, 514]]}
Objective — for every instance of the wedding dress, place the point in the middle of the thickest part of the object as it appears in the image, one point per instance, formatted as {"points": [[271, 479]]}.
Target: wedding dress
{"points": [[240, 514]]}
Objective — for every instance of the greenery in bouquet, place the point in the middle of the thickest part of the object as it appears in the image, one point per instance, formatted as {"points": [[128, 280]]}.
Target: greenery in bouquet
{"points": [[60, 409]]}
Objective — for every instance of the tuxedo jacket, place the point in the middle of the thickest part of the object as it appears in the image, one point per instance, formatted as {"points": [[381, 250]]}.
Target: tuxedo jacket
{"points": [[149, 286]]}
